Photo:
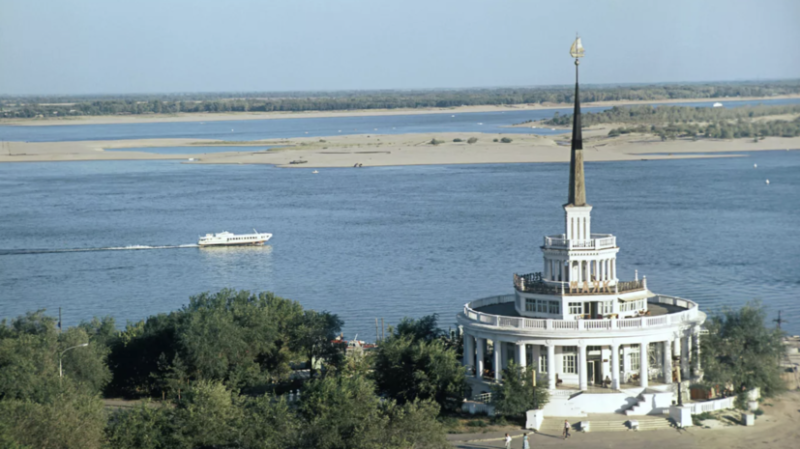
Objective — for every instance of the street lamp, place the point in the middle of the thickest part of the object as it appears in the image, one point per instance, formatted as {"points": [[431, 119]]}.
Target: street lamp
{"points": [[60, 372]]}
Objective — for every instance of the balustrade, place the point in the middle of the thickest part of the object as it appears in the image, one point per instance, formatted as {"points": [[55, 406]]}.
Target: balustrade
{"points": [[597, 241], [507, 322]]}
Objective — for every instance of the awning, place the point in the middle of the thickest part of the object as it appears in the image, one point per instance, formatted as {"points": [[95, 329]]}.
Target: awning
{"points": [[636, 296]]}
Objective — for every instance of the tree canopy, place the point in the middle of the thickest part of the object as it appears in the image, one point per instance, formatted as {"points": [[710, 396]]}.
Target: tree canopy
{"points": [[742, 350], [517, 394]]}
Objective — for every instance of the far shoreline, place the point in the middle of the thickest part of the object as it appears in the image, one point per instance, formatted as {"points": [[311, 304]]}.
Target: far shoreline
{"points": [[236, 116]]}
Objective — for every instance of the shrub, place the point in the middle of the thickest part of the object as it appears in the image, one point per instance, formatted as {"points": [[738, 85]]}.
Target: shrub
{"points": [[759, 412], [476, 423], [495, 140], [436, 142], [472, 140], [457, 140], [506, 140]]}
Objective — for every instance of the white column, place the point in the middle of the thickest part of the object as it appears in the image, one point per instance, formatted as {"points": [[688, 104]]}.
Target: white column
{"points": [[551, 366], [469, 350], [582, 368], [521, 355], [615, 366], [686, 350], [696, 355], [602, 270], [481, 345], [613, 268], [643, 364], [498, 360], [667, 362]]}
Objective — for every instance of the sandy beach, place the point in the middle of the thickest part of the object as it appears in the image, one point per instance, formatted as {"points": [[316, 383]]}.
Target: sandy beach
{"points": [[226, 116], [403, 149]]}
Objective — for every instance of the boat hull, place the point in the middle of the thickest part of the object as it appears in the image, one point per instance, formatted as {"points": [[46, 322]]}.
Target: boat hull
{"points": [[208, 245]]}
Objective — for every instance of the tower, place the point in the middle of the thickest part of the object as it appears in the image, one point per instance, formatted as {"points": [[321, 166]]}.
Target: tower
{"points": [[578, 259]]}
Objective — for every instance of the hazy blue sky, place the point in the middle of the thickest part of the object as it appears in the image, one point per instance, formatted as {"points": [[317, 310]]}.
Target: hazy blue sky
{"points": [[121, 46]]}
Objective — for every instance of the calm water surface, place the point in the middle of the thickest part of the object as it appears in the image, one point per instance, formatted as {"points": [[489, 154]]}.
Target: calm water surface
{"points": [[386, 242]]}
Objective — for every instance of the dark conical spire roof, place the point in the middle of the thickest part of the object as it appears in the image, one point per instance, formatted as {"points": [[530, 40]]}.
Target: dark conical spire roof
{"points": [[577, 183]]}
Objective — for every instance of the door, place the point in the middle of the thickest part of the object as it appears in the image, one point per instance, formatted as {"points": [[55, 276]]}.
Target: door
{"points": [[590, 371]]}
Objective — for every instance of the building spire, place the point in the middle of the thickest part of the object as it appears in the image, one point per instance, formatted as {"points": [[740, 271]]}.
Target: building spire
{"points": [[577, 184]]}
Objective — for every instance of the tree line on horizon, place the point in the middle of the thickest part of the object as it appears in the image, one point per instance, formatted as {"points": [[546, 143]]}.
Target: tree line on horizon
{"points": [[66, 106], [671, 122]]}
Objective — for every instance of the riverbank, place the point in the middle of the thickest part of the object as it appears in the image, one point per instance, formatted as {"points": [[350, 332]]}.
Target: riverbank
{"points": [[397, 149], [227, 116]]}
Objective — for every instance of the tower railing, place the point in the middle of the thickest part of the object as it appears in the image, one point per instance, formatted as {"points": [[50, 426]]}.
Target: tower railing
{"points": [[534, 283], [598, 241]]}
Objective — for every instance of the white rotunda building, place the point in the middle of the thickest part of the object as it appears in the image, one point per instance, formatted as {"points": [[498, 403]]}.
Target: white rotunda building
{"points": [[598, 343]]}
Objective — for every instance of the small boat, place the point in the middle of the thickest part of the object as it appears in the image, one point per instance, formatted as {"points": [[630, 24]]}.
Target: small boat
{"points": [[229, 239], [315, 172], [717, 105]]}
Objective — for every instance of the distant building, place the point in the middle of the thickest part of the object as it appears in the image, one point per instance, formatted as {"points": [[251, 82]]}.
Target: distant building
{"points": [[599, 344]]}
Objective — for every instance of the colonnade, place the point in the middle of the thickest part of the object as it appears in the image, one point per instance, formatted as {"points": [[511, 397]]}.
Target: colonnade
{"points": [[475, 351], [587, 270]]}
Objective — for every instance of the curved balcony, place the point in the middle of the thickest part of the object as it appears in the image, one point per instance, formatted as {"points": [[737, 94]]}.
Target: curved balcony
{"points": [[598, 241], [689, 313], [534, 283]]}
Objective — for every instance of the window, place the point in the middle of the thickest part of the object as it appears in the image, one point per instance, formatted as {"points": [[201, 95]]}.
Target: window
{"points": [[530, 305], [593, 348], [606, 307], [543, 363], [569, 364], [541, 306], [635, 359], [555, 308], [576, 308]]}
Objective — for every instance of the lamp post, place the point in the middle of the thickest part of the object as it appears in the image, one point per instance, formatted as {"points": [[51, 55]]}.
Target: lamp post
{"points": [[60, 371]]}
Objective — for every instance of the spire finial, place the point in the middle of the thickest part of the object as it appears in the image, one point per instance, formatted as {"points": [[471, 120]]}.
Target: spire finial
{"points": [[577, 186]]}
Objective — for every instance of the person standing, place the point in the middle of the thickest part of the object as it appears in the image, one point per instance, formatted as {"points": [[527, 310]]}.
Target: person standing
{"points": [[525, 444], [566, 429], [508, 441]]}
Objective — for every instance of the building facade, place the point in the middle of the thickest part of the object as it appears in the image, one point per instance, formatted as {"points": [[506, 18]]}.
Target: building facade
{"points": [[585, 331]]}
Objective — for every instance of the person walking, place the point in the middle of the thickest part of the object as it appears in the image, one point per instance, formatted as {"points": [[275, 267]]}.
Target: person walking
{"points": [[566, 429], [508, 441], [525, 444]]}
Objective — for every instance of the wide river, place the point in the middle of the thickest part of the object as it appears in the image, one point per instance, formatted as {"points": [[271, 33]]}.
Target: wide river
{"points": [[386, 242]]}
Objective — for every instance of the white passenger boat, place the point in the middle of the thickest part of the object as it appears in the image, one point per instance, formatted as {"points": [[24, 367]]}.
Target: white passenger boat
{"points": [[231, 239], [717, 105]]}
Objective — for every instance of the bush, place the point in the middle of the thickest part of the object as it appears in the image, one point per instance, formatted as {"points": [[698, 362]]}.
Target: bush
{"points": [[457, 140], [436, 142], [758, 412], [495, 140], [506, 140], [472, 140], [477, 423]]}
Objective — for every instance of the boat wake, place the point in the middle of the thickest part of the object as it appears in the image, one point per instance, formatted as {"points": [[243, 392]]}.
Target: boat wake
{"points": [[12, 252]]}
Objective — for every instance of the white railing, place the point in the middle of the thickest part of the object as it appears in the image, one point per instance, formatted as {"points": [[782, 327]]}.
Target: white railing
{"points": [[598, 241], [690, 313], [560, 393], [711, 406]]}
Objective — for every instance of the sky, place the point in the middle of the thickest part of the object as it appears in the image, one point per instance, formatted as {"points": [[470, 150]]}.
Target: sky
{"points": [[146, 46]]}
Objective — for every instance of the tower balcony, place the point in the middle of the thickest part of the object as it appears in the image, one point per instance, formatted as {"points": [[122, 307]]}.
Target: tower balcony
{"points": [[534, 283], [598, 241]]}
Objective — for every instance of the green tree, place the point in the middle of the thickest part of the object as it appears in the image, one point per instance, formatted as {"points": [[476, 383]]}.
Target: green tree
{"points": [[516, 394], [209, 415], [472, 140], [407, 370], [740, 349], [144, 427], [313, 334], [341, 413], [413, 425], [269, 423]]}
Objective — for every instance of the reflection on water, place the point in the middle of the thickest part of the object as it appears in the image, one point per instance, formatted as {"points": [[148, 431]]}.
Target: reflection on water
{"points": [[226, 264]]}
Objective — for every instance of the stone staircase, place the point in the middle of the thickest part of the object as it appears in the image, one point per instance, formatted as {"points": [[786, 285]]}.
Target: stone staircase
{"points": [[639, 407], [604, 423]]}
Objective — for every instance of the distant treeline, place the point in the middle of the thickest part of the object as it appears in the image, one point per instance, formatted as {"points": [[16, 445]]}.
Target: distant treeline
{"points": [[670, 122], [49, 106]]}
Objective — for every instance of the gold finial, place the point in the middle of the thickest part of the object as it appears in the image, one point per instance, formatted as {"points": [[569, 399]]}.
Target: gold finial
{"points": [[576, 51]]}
